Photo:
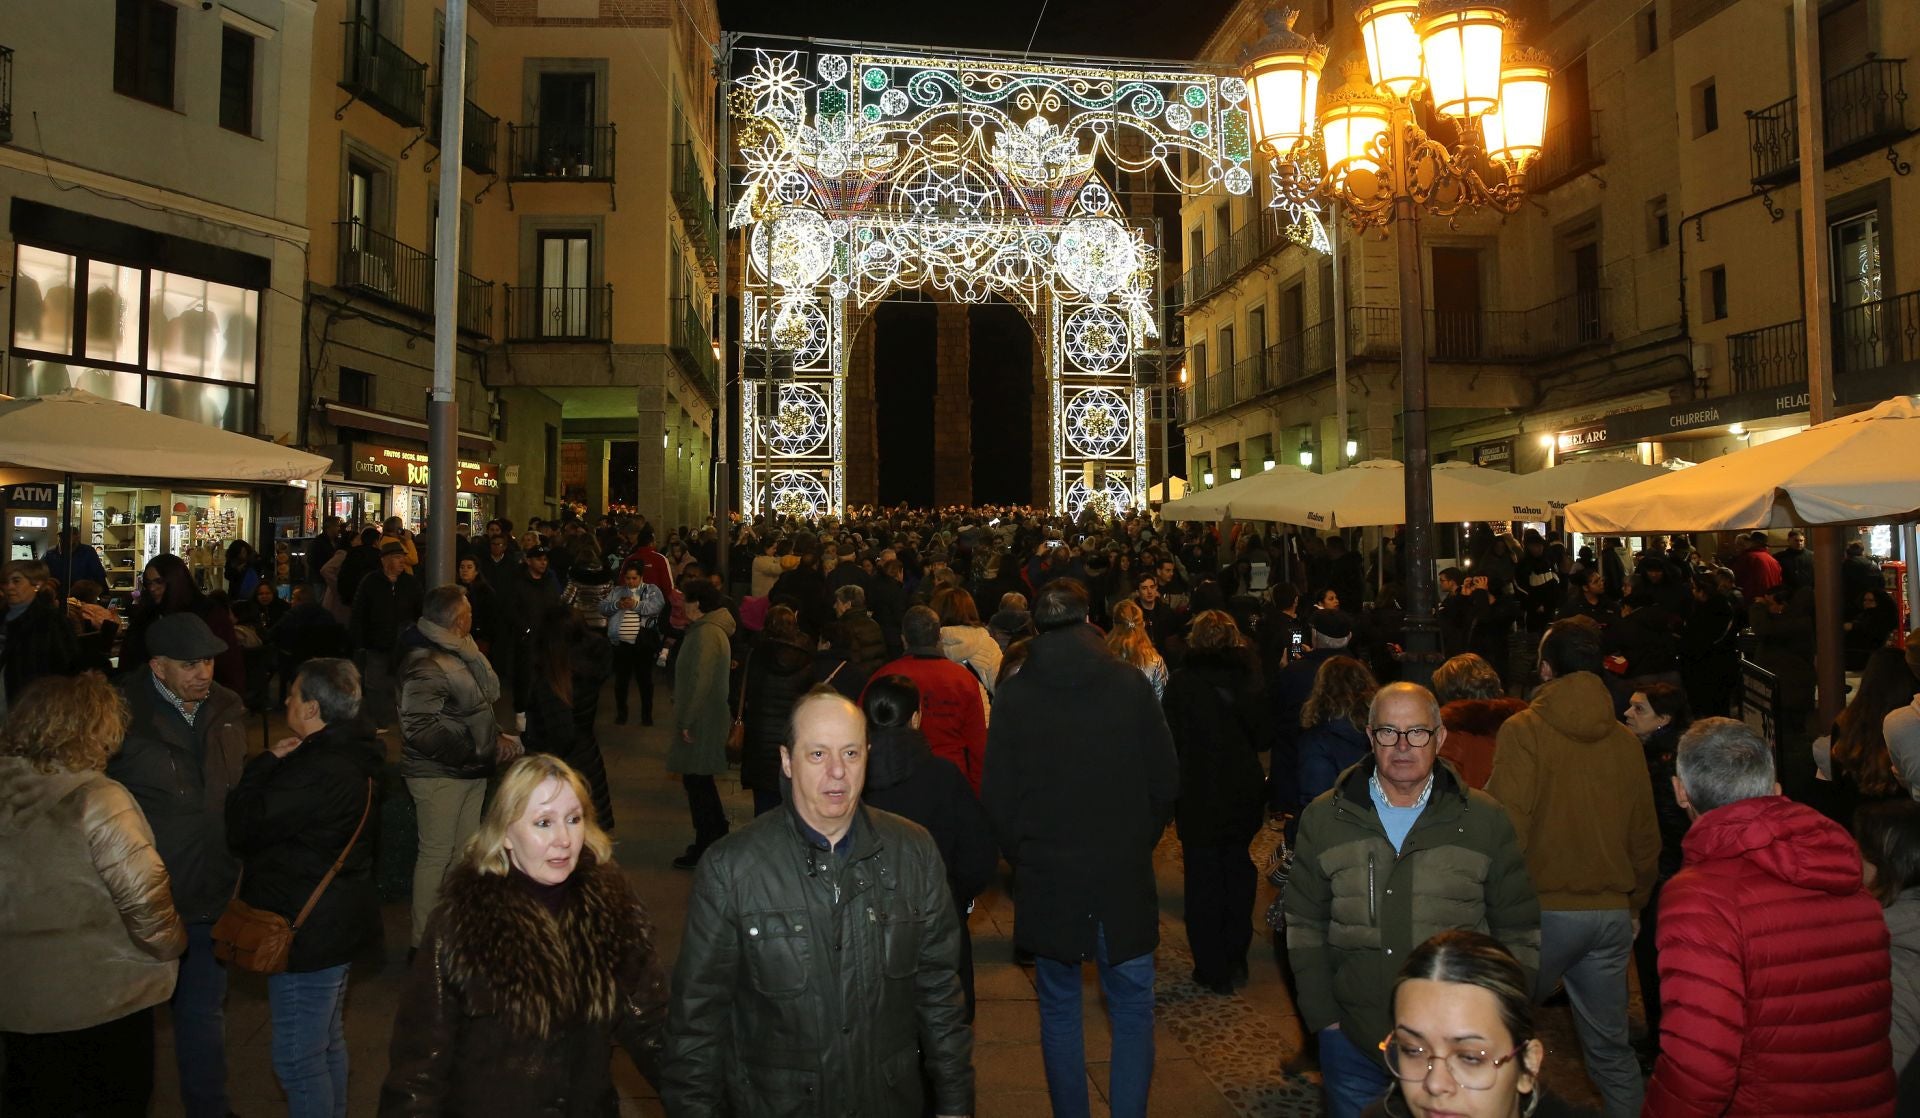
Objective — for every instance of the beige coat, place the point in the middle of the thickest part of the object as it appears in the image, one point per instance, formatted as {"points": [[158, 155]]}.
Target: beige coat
{"points": [[88, 933]]}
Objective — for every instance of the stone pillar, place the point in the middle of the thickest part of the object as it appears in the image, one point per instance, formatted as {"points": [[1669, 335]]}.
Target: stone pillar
{"points": [[1042, 410], [595, 447], [862, 440], [952, 409], [650, 423]]}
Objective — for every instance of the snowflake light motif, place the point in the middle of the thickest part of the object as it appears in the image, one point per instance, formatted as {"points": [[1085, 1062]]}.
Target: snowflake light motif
{"points": [[1099, 423], [1097, 339], [798, 326], [798, 424], [1108, 501], [1096, 256], [797, 493], [776, 88]]}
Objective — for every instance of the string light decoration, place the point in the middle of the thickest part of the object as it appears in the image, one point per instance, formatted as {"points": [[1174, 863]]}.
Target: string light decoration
{"points": [[1108, 497], [866, 173]]}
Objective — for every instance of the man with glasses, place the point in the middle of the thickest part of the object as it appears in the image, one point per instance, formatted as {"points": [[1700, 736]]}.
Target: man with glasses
{"points": [[1574, 781], [1398, 850]]}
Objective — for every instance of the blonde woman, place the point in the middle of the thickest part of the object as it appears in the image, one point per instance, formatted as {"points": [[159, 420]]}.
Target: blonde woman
{"points": [[88, 932], [1129, 641], [538, 958]]}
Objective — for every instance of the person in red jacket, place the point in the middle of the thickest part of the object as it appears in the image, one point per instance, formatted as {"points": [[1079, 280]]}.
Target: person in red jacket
{"points": [[953, 705], [1774, 988], [653, 565], [1755, 571]]}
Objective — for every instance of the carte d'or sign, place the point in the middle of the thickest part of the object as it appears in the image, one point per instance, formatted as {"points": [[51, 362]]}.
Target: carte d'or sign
{"points": [[390, 465]]}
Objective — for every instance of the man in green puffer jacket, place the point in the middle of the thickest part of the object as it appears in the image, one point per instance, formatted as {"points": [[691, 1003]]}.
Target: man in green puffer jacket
{"points": [[1396, 852]]}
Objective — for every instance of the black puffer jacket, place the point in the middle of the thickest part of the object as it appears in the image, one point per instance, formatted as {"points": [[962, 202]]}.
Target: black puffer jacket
{"points": [[511, 1009], [777, 674], [38, 642], [816, 984], [565, 729], [1080, 780], [289, 819], [1215, 711], [904, 777]]}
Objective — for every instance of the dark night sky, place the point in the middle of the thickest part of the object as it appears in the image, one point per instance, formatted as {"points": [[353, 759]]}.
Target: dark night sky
{"points": [[1001, 369]]}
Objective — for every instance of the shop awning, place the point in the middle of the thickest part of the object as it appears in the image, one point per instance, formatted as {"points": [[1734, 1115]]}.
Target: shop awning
{"points": [[77, 432], [398, 426], [1859, 469]]}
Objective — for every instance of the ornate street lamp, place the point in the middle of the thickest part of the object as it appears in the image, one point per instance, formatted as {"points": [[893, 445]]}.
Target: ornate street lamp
{"points": [[1374, 156]]}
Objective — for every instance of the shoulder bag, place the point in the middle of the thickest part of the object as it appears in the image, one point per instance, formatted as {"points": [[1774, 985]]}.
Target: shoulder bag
{"points": [[256, 940]]}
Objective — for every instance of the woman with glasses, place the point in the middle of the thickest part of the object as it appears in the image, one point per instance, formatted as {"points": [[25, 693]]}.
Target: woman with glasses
{"points": [[167, 587], [1463, 1043]]}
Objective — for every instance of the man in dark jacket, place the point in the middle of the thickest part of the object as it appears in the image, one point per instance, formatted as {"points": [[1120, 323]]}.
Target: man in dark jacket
{"points": [[186, 743], [303, 803], [36, 638], [1081, 779], [850, 968], [524, 599], [887, 602], [1796, 562], [362, 559], [860, 635], [386, 602]]}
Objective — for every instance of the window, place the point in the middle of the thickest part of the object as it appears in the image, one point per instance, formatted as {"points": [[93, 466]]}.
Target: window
{"points": [[1713, 286], [236, 80], [1226, 348], [1649, 28], [178, 344], [1706, 108], [565, 263], [1659, 233], [1197, 362], [143, 50], [356, 388], [1196, 252]]}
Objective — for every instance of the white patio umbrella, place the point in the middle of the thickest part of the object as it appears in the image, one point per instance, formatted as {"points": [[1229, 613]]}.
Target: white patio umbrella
{"points": [[1373, 493], [1228, 500], [1545, 493], [77, 432], [1858, 469]]}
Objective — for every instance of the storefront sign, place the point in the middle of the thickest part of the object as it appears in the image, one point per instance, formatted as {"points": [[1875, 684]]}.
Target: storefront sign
{"points": [[387, 465], [1498, 456], [1656, 424], [1583, 438], [30, 495]]}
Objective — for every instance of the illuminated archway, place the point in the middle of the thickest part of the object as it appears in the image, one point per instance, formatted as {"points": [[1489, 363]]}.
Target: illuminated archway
{"points": [[867, 173]]}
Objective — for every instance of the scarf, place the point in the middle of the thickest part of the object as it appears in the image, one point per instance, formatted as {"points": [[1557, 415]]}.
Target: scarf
{"points": [[469, 653]]}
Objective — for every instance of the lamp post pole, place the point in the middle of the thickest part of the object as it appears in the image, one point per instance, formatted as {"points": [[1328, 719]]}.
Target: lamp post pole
{"points": [[722, 438], [1422, 648]]}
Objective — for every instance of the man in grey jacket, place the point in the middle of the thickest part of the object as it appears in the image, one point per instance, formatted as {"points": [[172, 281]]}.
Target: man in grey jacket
{"points": [[453, 741], [184, 750]]}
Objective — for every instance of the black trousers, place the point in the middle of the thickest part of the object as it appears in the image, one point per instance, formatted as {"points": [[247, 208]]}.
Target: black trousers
{"points": [[1220, 889], [102, 1072], [634, 663], [1646, 961], [709, 814]]}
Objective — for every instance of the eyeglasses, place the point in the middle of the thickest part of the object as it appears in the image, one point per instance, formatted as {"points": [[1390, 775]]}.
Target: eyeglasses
{"points": [[1391, 737], [1473, 1070]]}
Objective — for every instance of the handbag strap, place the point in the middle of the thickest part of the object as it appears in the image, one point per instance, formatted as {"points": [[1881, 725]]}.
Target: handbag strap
{"points": [[337, 862]]}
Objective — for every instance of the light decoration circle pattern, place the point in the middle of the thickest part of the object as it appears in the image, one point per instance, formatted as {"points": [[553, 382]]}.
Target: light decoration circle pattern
{"points": [[797, 493], [833, 67], [798, 325], [1095, 255], [1099, 423], [1109, 500], [797, 252], [798, 424], [1097, 339]]}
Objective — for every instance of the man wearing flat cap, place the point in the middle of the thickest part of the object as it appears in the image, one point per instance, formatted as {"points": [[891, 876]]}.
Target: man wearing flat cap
{"points": [[184, 750]]}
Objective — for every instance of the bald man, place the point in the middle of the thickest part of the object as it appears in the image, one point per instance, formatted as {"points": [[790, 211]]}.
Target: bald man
{"points": [[825, 926]]}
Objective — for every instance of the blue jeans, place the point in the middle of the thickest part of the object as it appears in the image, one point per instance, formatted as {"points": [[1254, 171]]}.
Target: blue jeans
{"points": [[1353, 1079], [310, 1040], [200, 1027], [1128, 987]]}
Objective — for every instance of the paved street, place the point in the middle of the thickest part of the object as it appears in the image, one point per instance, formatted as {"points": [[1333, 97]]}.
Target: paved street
{"points": [[1215, 1057]]}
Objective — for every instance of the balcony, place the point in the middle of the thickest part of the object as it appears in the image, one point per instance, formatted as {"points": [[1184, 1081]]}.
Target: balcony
{"points": [[479, 136], [1244, 247], [378, 72], [1550, 330], [1281, 364], [560, 314], [560, 153], [1864, 107], [378, 267], [695, 202], [1569, 149], [476, 305], [693, 343], [1877, 335], [6, 95]]}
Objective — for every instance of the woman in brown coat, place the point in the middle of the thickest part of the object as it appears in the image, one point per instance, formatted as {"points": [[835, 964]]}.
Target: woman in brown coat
{"points": [[88, 932], [537, 959]]}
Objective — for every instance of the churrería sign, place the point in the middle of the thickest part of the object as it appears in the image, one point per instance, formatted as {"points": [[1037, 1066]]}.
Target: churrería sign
{"points": [[390, 465]]}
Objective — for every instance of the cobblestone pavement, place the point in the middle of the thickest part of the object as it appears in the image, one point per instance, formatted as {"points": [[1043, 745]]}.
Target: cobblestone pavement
{"points": [[1215, 1057]]}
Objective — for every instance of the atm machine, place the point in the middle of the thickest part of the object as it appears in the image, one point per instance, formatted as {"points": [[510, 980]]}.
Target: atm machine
{"points": [[32, 518]]}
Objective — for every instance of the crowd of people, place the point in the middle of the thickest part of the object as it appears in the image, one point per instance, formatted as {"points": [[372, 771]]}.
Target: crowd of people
{"points": [[914, 697]]}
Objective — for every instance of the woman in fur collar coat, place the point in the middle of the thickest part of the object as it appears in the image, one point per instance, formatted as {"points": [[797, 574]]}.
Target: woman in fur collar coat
{"points": [[538, 958]]}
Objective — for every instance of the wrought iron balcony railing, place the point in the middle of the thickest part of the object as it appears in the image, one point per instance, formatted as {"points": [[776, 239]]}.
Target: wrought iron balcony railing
{"points": [[693, 342], [1568, 149], [695, 203], [375, 265], [1870, 336], [1549, 330], [560, 153], [560, 314], [479, 136], [476, 305], [1864, 108], [378, 72]]}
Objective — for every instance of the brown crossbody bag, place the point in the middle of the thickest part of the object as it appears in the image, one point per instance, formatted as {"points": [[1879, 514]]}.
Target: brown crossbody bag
{"points": [[256, 940]]}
